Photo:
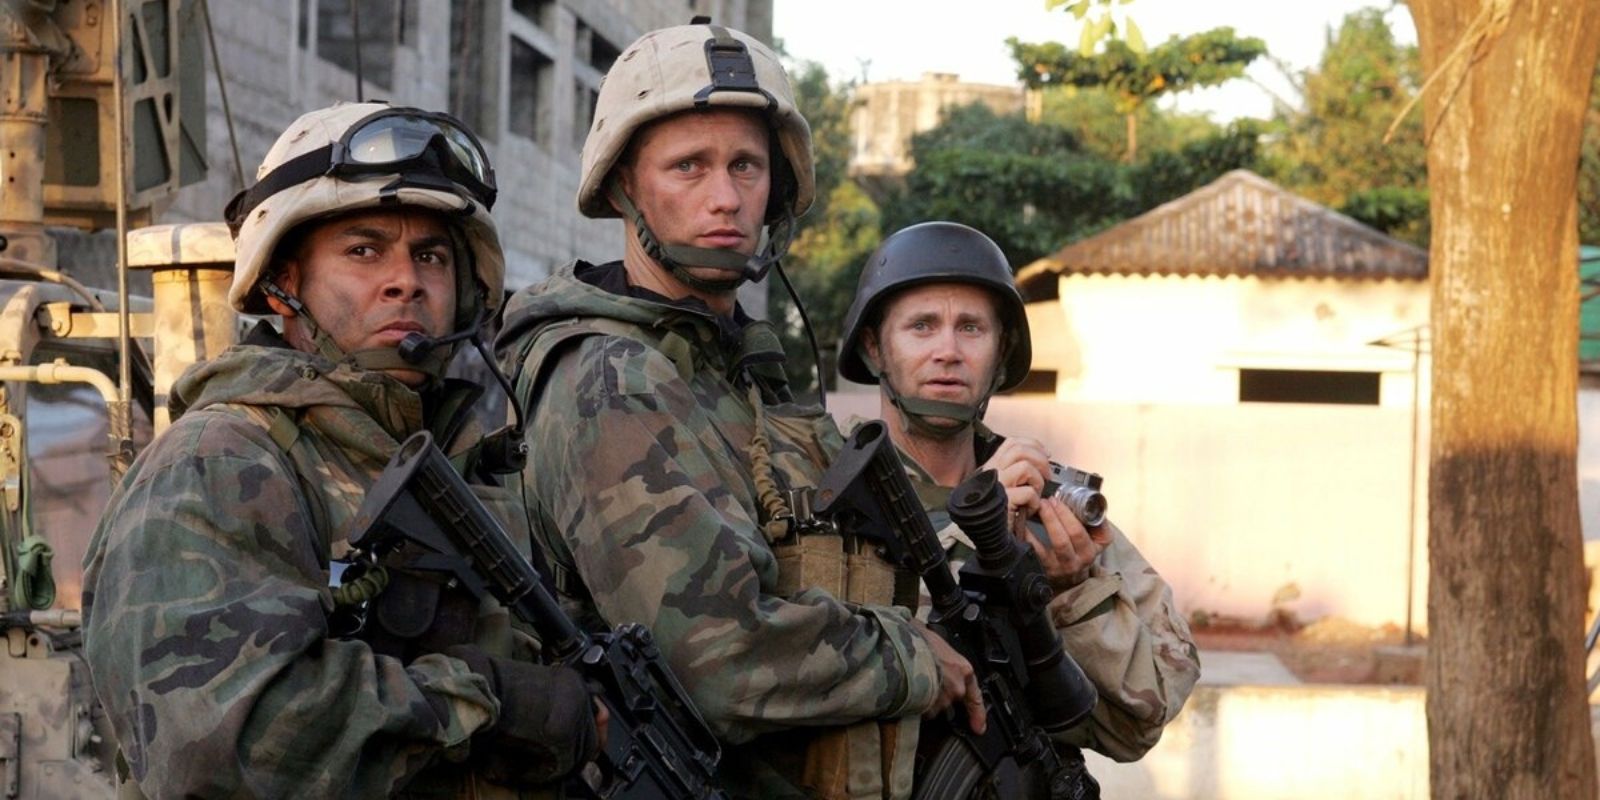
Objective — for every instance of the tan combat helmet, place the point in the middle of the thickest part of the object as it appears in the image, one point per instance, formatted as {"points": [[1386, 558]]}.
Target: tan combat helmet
{"points": [[679, 69], [356, 156]]}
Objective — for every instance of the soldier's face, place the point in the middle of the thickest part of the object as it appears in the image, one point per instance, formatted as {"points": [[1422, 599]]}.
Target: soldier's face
{"points": [[701, 179], [938, 342], [370, 278]]}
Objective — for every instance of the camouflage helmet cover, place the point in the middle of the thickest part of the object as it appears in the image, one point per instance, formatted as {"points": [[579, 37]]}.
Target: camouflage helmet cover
{"points": [[669, 71], [266, 225], [937, 252]]}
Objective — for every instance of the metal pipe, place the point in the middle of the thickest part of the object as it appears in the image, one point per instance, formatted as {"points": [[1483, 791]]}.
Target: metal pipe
{"points": [[62, 372], [122, 410], [43, 273], [1411, 528], [49, 618], [121, 450]]}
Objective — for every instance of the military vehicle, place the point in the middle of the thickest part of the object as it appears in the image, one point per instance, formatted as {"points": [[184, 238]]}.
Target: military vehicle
{"points": [[87, 143]]}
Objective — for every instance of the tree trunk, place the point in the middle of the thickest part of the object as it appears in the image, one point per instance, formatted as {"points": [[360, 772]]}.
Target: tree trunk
{"points": [[1507, 712]]}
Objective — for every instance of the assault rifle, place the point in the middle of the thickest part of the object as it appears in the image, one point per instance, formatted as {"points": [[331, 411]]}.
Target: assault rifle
{"points": [[657, 746], [995, 617]]}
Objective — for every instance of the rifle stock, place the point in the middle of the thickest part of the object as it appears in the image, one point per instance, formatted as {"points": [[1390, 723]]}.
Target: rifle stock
{"points": [[657, 744]]}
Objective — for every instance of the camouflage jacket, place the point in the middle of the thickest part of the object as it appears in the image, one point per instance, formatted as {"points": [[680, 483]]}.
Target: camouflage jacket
{"points": [[206, 596], [640, 478], [1120, 625]]}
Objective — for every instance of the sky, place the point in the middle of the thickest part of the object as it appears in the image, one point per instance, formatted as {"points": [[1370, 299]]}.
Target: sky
{"points": [[901, 39]]}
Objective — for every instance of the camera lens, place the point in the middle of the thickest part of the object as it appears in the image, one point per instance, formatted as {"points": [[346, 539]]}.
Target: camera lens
{"points": [[1088, 505]]}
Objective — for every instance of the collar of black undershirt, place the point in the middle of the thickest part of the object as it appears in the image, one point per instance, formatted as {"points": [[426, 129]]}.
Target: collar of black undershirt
{"points": [[613, 277]]}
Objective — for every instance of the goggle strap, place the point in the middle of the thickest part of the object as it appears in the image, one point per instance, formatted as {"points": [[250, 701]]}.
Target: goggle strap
{"points": [[293, 172]]}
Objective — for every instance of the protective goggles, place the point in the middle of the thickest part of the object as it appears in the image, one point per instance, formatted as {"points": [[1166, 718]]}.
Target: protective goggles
{"points": [[426, 149]]}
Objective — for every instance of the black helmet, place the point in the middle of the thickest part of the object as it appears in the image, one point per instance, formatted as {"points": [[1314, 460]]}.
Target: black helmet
{"points": [[937, 252]]}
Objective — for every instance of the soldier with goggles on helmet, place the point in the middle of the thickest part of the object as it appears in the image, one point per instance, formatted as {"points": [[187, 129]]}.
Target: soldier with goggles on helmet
{"points": [[213, 606], [667, 436]]}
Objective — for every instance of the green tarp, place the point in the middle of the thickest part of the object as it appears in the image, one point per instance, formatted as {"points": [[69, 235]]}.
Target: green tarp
{"points": [[1589, 314]]}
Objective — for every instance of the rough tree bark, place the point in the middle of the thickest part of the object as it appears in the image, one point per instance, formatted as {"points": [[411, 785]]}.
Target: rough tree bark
{"points": [[1507, 715]]}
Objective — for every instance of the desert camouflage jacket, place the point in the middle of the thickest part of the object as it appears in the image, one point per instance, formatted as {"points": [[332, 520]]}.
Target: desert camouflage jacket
{"points": [[206, 596], [1120, 625], [640, 477]]}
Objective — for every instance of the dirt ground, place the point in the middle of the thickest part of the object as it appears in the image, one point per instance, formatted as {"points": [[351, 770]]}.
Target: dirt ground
{"points": [[1330, 650]]}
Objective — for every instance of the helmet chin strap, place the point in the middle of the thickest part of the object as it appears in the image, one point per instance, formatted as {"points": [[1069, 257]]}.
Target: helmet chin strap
{"points": [[375, 358], [918, 413], [678, 259]]}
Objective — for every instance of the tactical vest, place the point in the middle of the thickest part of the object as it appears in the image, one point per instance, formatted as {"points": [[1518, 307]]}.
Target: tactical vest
{"points": [[868, 759], [412, 614]]}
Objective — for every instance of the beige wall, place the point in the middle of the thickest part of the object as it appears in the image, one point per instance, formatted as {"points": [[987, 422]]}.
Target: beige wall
{"points": [[1265, 743], [1182, 340], [1239, 505]]}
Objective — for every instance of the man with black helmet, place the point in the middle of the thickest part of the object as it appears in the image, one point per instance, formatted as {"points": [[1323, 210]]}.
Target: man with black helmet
{"points": [[667, 437], [215, 617], [937, 323]]}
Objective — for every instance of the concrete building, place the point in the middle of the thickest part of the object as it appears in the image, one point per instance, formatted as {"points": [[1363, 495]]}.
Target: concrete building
{"points": [[889, 113], [522, 73]]}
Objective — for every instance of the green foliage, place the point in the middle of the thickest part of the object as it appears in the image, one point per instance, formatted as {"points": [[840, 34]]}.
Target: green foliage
{"points": [[824, 264], [1168, 174], [1027, 186], [1027, 204], [1090, 114], [827, 108], [1033, 188], [832, 239], [1333, 152], [1133, 78], [1400, 211], [1103, 26], [978, 127], [1204, 59]]}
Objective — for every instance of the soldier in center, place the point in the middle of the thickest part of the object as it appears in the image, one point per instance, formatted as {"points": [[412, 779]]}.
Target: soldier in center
{"points": [[667, 439]]}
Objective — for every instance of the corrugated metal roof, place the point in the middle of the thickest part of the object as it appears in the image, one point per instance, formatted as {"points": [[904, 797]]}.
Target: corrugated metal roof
{"points": [[1239, 224]]}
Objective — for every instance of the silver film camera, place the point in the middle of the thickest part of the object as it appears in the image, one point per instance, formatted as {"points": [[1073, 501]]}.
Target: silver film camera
{"points": [[1080, 491]]}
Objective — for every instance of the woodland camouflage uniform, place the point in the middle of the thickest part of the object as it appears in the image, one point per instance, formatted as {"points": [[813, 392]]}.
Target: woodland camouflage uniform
{"points": [[643, 482], [228, 679], [208, 617]]}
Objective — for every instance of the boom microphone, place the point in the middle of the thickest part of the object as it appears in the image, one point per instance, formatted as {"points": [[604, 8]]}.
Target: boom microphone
{"points": [[416, 346]]}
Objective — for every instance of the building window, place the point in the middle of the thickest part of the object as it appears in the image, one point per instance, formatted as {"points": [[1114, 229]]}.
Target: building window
{"points": [[372, 53], [592, 50], [584, 100], [1308, 386], [539, 12], [475, 65], [407, 23], [601, 53], [1039, 381], [532, 82]]}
